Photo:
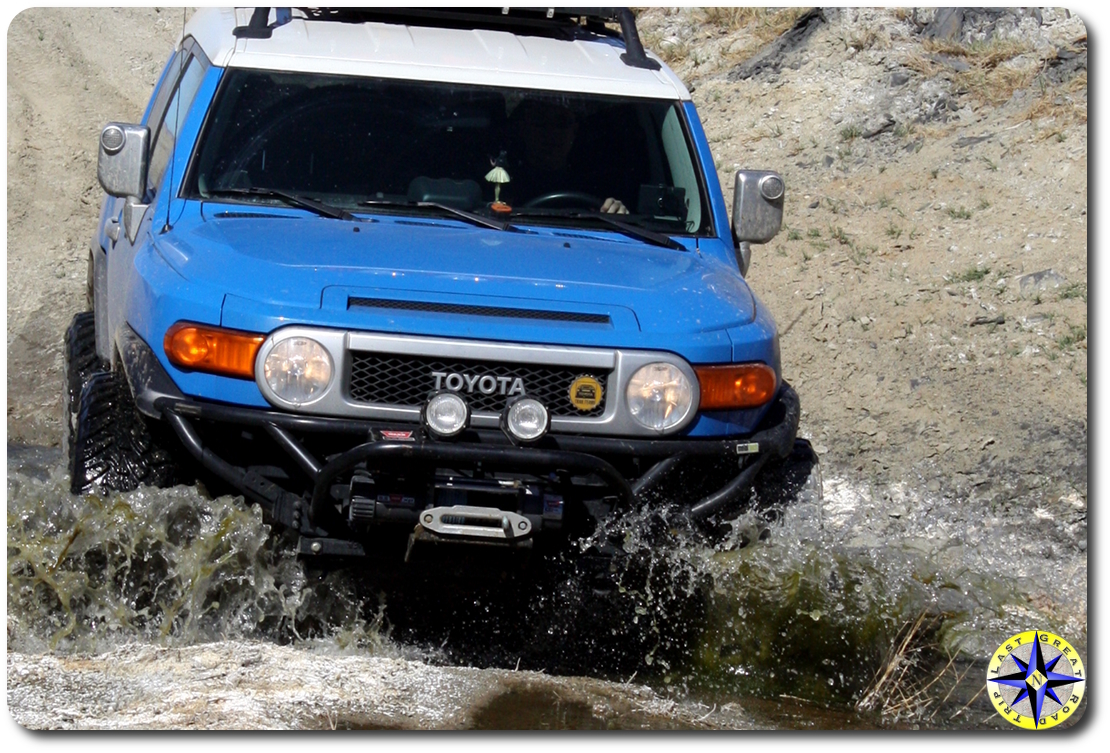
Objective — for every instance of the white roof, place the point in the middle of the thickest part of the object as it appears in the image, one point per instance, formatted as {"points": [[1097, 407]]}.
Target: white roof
{"points": [[483, 57]]}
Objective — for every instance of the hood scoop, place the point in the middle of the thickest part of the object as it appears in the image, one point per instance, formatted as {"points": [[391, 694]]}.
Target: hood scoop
{"points": [[459, 309]]}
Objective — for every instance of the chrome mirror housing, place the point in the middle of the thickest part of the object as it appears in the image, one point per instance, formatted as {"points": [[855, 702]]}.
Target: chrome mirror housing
{"points": [[123, 159], [757, 206]]}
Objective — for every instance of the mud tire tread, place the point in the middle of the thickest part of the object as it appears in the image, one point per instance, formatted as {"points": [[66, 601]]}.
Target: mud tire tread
{"points": [[113, 448], [80, 362]]}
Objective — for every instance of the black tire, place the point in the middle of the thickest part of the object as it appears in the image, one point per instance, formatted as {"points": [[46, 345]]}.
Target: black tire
{"points": [[80, 363], [113, 448], [90, 283]]}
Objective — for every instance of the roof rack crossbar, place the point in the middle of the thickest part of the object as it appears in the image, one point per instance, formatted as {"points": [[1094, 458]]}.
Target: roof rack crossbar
{"points": [[552, 20]]}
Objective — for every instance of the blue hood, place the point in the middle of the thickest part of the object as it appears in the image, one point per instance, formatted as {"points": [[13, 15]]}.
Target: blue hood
{"points": [[301, 262]]}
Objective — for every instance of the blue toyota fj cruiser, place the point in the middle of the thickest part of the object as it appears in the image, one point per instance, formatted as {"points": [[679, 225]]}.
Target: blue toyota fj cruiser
{"points": [[426, 276]]}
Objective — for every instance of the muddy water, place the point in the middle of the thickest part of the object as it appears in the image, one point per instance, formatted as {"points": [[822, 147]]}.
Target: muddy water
{"points": [[867, 609]]}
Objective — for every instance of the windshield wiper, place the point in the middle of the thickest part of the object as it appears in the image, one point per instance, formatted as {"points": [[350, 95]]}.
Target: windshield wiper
{"points": [[475, 219], [640, 233], [292, 199]]}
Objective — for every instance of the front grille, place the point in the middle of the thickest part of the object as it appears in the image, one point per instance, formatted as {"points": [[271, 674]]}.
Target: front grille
{"points": [[401, 380]]}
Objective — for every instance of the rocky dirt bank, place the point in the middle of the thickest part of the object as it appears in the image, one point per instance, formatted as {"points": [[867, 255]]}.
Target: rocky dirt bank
{"points": [[262, 686]]}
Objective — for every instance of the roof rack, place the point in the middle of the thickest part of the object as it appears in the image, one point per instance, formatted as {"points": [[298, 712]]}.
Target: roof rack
{"points": [[563, 22], [259, 26]]}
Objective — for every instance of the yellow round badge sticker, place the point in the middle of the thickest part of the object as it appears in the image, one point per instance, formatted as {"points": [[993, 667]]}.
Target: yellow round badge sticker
{"points": [[585, 393], [1036, 679]]}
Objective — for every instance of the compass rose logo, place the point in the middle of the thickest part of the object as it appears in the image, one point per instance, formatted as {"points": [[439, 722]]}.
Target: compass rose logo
{"points": [[1036, 679]]}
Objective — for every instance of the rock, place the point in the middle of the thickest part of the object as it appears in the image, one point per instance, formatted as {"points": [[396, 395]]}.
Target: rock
{"points": [[947, 24], [1036, 282], [954, 63], [899, 78], [772, 58], [880, 125], [966, 141]]}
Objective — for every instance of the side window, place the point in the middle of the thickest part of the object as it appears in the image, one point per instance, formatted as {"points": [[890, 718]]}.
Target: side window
{"points": [[165, 135], [167, 85], [683, 174]]}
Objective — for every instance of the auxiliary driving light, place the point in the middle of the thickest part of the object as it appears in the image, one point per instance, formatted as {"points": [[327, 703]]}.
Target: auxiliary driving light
{"points": [[526, 420], [446, 414]]}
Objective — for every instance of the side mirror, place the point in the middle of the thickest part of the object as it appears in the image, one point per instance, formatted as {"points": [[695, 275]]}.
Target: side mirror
{"points": [[124, 158], [756, 211]]}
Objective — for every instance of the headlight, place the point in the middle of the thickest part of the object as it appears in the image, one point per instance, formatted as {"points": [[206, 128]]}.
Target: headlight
{"points": [[298, 370], [659, 396]]}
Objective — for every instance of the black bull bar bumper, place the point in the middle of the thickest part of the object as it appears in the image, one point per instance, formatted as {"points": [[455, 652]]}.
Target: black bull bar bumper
{"points": [[578, 455]]}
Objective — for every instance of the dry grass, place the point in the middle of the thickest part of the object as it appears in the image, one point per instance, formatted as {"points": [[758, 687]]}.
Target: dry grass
{"points": [[1078, 84], [927, 67], [987, 54], [731, 19], [866, 39], [672, 51], [765, 24], [995, 85], [762, 25], [988, 79], [1064, 106], [902, 687]]}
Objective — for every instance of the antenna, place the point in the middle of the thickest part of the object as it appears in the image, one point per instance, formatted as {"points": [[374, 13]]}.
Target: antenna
{"points": [[177, 126]]}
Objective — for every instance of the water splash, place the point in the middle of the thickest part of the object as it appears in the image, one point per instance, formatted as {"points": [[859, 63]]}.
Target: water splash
{"points": [[163, 566], [809, 604], [803, 605]]}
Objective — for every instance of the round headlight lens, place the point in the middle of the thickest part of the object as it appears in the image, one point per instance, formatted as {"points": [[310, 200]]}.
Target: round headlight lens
{"points": [[446, 414], [298, 370], [659, 396], [527, 419]]}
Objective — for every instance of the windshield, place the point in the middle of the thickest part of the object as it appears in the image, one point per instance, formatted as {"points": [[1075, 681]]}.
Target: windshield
{"points": [[392, 144]]}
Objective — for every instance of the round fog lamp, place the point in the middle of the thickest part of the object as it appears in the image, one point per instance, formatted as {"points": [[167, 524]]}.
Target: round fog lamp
{"points": [[527, 419], [446, 414], [298, 370], [659, 396]]}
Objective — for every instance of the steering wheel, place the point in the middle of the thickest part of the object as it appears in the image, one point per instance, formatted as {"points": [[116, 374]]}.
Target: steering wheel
{"points": [[557, 198]]}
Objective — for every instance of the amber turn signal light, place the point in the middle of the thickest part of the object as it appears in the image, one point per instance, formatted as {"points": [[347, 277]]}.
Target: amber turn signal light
{"points": [[733, 386], [217, 351]]}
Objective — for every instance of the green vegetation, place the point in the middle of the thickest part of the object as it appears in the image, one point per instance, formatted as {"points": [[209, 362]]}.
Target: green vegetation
{"points": [[1074, 290], [1076, 334], [972, 274]]}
